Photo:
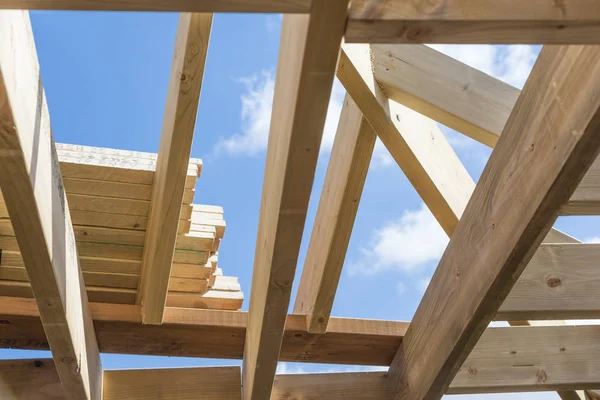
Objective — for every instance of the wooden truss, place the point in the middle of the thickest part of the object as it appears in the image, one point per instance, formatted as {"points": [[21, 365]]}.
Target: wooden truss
{"points": [[503, 262]]}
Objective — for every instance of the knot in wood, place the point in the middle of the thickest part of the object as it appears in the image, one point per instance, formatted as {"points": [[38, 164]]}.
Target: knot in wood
{"points": [[553, 282], [541, 376]]}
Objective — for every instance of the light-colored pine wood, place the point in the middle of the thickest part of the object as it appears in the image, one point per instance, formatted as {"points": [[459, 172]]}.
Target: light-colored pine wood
{"points": [[210, 333], [464, 21], [188, 285], [211, 299], [205, 6], [32, 187], [558, 283], [210, 383], [546, 147], [187, 71], [308, 57], [464, 99], [526, 359], [416, 142], [95, 294], [346, 174], [444, 89]]}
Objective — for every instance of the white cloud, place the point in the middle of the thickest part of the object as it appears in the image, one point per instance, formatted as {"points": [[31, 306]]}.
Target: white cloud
{"points": [[400, 288], [256, 117], [257, 102], [406, 244], [593, 239]]}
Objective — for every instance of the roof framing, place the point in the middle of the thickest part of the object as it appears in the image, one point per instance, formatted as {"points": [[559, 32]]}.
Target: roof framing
{"points": [[547, 146], [33, 190], [545, 164]]}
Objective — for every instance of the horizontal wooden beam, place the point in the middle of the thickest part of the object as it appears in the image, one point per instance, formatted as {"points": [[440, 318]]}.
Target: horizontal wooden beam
{"points": [[209, 334], [37, 379], [464, 99], [559, 282], [207, 383], [201, 6], [522, 359], [464, 21], [516, 359]]}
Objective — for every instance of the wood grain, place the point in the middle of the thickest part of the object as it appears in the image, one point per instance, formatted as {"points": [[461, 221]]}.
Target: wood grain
{"points": [[465, 99], [208, 383], [32, 186], [346, 173], [183, 96], [203, 6], [308, 56], [414, 141], [546, 147], [465, 21]]}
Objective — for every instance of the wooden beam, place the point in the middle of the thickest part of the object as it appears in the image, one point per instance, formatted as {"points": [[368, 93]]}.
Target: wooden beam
{"points": [[342, 190], [308, 57], [522, 359], [202, 6], [187, 71], [32, 186], [209, 333], [208, 383], [444, 89], [547, 146], [464, 21], [516, 359], [465, 99], [558, 283], [525, 359], [415, 142]]}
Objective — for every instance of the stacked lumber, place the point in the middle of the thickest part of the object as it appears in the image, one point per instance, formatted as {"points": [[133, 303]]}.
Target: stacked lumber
{"points": [[108, 193]]}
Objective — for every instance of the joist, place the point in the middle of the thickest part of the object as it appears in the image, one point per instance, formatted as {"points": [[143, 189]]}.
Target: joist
{"points": [[308, 56], [37, 379], [520, 359], [507, 359], [350, 158], [546, 147], [414, 141], [209, 333], [465, 99], [32, 186], [558, 283], [204, 6], [187, 71], [464, 21]]}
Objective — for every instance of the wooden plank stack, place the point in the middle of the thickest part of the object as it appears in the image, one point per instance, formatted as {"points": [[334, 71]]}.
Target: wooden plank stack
{"points": [[108, 193]]}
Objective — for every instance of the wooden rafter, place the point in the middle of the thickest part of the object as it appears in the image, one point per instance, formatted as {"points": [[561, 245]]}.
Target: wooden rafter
{"points": [[414, 141], [202, 6], [307, 61], [547, 146], [32, 188], [346, 174], [191, 49], [465, 99], [465, 21]]}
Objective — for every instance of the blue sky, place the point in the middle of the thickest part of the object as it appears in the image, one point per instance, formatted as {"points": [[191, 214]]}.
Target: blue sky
{"points": [[106, 76]]}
